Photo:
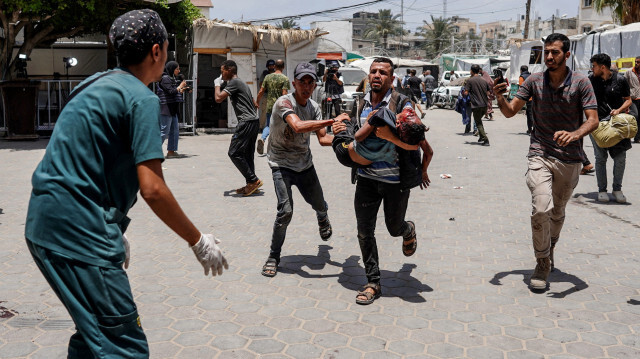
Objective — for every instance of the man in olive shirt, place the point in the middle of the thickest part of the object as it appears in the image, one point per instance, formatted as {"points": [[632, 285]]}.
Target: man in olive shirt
{"points": [[478, 88], [274, 85]]}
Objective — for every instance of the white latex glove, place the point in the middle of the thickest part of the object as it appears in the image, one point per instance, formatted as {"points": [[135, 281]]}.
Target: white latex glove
{"points": [[210, 255], [218, 81], [127, 251]]}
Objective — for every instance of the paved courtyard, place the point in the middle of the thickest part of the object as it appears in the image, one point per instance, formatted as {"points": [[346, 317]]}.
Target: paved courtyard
{"points": [[463, 294]]}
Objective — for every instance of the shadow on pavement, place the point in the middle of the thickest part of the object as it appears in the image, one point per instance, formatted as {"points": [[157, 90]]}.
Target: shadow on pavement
{"points": [[592, 197], [633, 302], [33, 145], [556, 276], [400, 284], [232, 193]]}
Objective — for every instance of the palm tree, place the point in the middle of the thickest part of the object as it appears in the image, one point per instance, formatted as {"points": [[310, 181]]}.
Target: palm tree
{"points": [[386, 24], [627, 11], [289, 23], [438, 34]]}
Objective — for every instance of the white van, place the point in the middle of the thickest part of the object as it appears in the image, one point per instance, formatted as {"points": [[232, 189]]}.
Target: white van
{"points": [[446, 76]]}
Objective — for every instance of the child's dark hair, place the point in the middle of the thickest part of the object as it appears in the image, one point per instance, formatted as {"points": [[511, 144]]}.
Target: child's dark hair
{"points": [[410, 132]]}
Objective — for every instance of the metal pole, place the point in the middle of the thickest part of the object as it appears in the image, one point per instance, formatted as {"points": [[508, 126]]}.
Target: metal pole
{"points": [[194, 118], [401, 27]]}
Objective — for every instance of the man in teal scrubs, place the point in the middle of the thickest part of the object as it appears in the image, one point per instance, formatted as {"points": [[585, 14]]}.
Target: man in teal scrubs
{"points": [[105, 147]]}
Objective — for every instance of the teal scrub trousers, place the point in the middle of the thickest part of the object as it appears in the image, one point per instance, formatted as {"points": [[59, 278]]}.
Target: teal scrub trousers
{"points": [[100, 302]]}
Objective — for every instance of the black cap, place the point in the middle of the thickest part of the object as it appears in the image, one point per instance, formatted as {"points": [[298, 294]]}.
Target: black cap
{"points": [[303, 69], [270, 63]]}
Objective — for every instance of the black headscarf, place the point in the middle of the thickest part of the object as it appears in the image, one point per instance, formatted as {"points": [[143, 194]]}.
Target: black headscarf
{"points": [[170, 67]]}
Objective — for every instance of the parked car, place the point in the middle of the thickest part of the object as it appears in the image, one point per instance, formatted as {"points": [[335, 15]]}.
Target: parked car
{"points": [[351, 77], [446, 76]]}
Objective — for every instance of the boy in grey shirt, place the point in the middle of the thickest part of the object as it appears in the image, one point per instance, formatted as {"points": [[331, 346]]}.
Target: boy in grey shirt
{"points": [[293, 118]]}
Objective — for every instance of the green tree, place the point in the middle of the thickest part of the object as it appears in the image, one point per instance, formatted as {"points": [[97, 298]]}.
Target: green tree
{"points": [[44, 21], [437, 34], [627, 11], [289, 23], [386, 24]]}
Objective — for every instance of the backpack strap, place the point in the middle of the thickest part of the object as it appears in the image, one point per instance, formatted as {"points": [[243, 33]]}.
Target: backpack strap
{"points": [[397, 102], [77, 90]]}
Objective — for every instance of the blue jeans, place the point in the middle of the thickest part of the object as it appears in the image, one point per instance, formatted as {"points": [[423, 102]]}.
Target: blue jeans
{"points": [[619, 163], [265, 130], [310, 189], [100, 302], [169, 129]]}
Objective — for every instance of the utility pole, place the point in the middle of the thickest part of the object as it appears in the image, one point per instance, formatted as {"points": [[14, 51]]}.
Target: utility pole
{"points": [[401, 27], [553, 23], [444, 9], [526, 20]]}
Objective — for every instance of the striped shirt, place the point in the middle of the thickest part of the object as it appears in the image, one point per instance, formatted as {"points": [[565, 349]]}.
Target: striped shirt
{"points": [[555, 110], [379, 171]]}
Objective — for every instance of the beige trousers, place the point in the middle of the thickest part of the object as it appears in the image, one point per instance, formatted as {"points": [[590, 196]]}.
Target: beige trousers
{"points": [[551, 183]]}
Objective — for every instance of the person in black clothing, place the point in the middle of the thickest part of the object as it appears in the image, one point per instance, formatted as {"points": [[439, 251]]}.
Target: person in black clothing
{"points": [[244, 138], [170, 90], [333, 88], [524, 73], [614, 97], [415, 86]]}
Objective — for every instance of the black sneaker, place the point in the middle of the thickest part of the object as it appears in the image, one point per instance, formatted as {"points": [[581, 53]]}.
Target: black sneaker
{"points": [[324, 226]]}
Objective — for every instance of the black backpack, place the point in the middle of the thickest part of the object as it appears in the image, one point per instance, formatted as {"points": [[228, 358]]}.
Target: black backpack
{"points": [[410, 162]]}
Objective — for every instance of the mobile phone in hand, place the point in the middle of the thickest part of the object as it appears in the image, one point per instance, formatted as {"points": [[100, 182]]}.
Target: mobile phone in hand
{"points": [[499, 79]]}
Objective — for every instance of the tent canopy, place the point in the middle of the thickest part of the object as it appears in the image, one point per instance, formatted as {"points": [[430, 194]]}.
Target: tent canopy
{"points": [[618, 42], [365, 63], [265, 41]]}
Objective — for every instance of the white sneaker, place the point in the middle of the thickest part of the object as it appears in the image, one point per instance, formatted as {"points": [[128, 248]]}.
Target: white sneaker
{"points": [[620, 198], [603, 197]]}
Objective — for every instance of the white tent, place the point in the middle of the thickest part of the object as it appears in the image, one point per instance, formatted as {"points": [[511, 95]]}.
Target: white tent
{"points": [[465, 64], [250, 47], [617, 42], [365, 63]]}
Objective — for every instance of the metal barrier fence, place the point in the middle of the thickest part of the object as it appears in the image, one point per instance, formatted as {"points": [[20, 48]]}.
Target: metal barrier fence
{"points": [[53, 95]]}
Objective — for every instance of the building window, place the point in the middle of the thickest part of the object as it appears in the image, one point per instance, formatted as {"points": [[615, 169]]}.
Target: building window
{"points": [[587, 3], [536, 55]]}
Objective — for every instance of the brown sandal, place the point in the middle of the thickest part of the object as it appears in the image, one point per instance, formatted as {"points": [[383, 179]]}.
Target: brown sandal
{"points": [[409, 249], [370, 297]]}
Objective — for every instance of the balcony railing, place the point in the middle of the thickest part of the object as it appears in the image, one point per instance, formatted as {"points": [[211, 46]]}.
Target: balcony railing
{"points": [[53, 95]]}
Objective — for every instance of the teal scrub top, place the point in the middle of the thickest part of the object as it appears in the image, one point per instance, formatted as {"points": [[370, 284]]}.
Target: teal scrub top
{"points": [[87, 180]]}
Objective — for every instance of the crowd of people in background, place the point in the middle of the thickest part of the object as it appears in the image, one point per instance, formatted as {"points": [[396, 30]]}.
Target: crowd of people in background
{"points": [[95, 170]]}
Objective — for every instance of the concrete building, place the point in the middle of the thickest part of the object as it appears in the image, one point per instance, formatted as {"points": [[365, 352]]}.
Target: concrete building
{"points": [[462, 25], [364, 47], [360, 21], [205, 7], [499, 29], [340, 32], [589, 18]]}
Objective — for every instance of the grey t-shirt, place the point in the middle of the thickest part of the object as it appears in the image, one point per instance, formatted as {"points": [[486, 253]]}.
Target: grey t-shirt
{"points": [[286, 148], [241, 100]]}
